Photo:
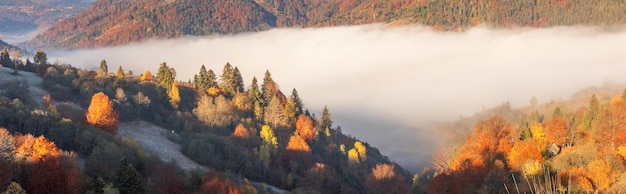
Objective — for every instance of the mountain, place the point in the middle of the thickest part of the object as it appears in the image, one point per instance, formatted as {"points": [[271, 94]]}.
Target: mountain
{"points": [[19, 17], [116, 22], [11, 48]]}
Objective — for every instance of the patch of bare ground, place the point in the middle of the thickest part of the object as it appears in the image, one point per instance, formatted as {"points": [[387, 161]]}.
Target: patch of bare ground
{"points": [[154, 140]]}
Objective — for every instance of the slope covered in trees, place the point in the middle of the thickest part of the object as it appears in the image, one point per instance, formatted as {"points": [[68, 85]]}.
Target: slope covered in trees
{"points": [[239, 133], [571, 150], [116, 22], [23, 16]]}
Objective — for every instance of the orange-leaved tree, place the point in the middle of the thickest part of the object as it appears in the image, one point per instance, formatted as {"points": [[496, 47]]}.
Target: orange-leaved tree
{"points": [[304, 126], [101, 113], [298, 149], [556, 130], [31, 149]]}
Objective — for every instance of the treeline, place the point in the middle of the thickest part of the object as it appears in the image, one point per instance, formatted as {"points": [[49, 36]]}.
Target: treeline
{"points": [[564, 152], [253, 132], [108, 23]]}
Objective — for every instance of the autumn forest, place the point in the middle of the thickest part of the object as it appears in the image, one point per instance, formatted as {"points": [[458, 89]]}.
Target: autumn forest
{"points": [[88, 128]]}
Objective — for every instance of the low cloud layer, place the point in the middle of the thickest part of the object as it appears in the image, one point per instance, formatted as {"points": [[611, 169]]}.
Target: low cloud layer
{"points": [[385, 84]]}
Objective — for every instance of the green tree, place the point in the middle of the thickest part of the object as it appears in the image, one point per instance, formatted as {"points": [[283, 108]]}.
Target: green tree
{"points": [[297, 101], [127, 179], [165, 77], [227, 78], [237, 81], [268, 88], [253, 93], [202, 80], [41, 58], [211, 79], [5, 58], [103, 66], [120, 77], [326, 122]]}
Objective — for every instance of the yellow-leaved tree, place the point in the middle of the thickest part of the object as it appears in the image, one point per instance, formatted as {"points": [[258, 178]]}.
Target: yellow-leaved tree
{"points": [[101, 113], [147, 76], [174, 95]]}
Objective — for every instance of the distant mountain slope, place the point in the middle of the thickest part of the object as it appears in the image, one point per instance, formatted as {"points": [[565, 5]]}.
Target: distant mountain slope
{"points": [[18, 17], [8, 46], [115, 22]]}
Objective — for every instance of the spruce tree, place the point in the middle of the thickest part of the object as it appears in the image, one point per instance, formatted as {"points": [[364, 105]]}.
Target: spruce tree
{"points": [[41, 58], [227, 78], [127, 179], [326, 122], [120, 77], [211, 79], [5, 58], [268, 86], [165, 77], [202, 79], [237, 81], [254, 94]]}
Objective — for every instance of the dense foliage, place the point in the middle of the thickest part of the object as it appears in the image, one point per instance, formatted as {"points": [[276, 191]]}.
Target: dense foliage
{"points": [[567, 152], [269, 138], [116, 22]]}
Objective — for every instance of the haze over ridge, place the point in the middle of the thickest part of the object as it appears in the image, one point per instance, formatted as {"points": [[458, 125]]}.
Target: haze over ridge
{"points": [[385, 84]]}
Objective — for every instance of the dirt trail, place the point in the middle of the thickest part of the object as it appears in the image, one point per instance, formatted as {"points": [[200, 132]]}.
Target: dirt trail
{"points": [[154, 140]]}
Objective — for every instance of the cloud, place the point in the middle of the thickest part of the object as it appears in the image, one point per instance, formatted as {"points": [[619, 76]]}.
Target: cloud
{"points": [[385, 84]]}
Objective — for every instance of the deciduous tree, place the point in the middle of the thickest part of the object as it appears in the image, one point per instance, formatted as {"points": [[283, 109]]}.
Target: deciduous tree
{"points": [[101, 114], [305, 128]]}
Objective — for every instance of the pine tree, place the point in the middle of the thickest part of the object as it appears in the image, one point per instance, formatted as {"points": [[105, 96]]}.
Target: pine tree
{"points": [[127, 179], [201, 80], [326, 122], [297, 101], [104, 67], [211, 79], [254, 94], [227, 78], [5, 58], [120, 77], [41, 58], [268, 87], [165, 77], [237, 81]]}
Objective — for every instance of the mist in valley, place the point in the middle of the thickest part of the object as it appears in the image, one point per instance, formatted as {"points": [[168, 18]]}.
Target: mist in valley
{"points": [[386, 85]]}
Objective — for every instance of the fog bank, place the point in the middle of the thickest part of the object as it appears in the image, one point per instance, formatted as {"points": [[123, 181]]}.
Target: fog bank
{"points": [[385, 84]]}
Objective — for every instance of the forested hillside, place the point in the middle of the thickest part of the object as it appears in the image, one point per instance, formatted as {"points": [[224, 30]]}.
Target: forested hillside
{"points": [[116, 22], [575, 147], [23, 16], [67, 142]]}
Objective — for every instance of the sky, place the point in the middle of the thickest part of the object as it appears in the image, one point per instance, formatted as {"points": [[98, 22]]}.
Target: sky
{"points": [[385, 85]]}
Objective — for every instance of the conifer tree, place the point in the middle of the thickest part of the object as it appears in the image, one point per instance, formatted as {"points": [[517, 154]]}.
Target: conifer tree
{"points": [[237, 81], [120, 77], [268, 86], [165, 77], [41, 58], [127, 179], [227, 78], [326, 122], [253, 93], [5, 58], [211, 79], [103, 66], [201, 80]]}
